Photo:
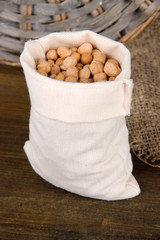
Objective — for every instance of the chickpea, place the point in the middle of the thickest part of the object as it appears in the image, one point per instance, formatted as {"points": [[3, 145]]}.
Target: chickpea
{"points": [[68, 62], [42, 72], [95, 51], [91, 80], [71, 79], [86, 58], [114, 61], [111, 78], [84, 73], [100, 77], [64, 73], [53, 75], [51, 62], [79, 66], [86, 80], [74, 49], [64, 52], [45, 66], [76, 55], [52, 54], [96, 67], [55, 69], [38, 61], [85, 47], [100, 57], [59, 61], [72, 71], [111, 69], [60, 77], [87, 65]]}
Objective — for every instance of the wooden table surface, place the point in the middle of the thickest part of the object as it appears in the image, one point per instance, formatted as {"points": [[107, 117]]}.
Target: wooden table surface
{"points": [[31, 208]]}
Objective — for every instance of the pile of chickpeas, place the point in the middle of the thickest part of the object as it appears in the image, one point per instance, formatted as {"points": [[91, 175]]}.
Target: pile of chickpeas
{"points": [[83, 64]]}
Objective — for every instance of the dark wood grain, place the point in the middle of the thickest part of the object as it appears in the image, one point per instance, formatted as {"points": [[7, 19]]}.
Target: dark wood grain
{"points": [[32, 209]]}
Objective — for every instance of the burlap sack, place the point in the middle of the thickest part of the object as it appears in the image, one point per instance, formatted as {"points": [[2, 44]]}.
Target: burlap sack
{"points": [[78, 136], [144, 122]]}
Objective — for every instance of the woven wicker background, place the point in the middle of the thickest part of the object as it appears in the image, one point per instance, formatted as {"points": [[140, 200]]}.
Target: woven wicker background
{"points": [[144, 122], [21, 20]]}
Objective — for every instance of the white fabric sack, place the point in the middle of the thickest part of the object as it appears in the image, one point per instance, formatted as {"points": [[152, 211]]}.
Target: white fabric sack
{"points": [[78, 137]]}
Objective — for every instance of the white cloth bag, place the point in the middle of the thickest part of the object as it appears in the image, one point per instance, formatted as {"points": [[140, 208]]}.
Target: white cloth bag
{"points": [[78, 137]]}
